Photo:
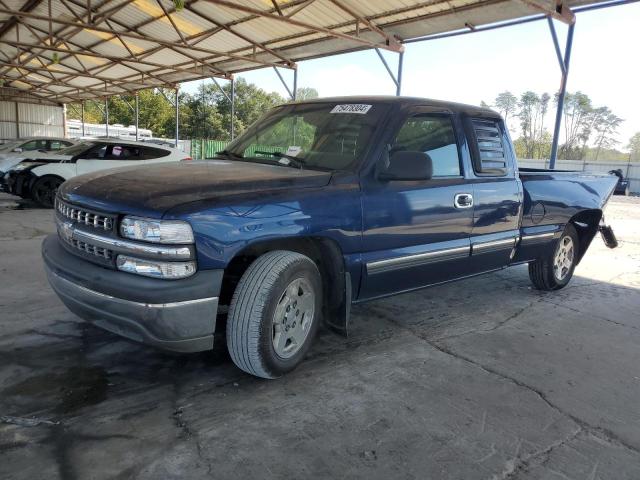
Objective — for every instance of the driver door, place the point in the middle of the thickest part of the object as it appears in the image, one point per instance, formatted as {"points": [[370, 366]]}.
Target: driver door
{"points": [[416, 232]]}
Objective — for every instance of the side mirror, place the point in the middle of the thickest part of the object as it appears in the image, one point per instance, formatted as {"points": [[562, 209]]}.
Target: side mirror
{"points": [[408, 165], [17, 150]]}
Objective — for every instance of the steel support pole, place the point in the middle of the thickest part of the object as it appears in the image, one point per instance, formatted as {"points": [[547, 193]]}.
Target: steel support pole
{"points": [[233, 107], [177, 118], [292, 95], [137, 115], [82, 116], [399, 76], [295, 84], [397, 79], [106, 114], [561, 95]]}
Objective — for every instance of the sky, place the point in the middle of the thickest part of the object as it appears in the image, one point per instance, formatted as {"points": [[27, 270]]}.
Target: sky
{"points": [[605, 64]]}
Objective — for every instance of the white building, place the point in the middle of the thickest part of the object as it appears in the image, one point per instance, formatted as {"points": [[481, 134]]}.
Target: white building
{"points": [[74, 130]]}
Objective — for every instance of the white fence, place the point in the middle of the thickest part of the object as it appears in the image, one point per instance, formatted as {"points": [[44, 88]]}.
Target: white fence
{"points": [[631, 171]]}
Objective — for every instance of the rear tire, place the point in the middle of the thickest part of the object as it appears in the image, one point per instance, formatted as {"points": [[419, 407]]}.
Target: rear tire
{"points": [[554, 271], [274, 314], [44, 190]]}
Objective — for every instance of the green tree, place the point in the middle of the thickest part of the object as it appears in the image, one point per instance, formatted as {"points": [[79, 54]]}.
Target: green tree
{"points": [[506, 103], [606, 130], [634, 147], [306, 93], [155, 111], [251, 102], [205, 114], [533, 108], [576, 112]]}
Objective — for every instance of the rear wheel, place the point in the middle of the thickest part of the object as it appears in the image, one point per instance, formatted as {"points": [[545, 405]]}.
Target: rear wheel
{"points": [[274, 314], [44, 190], [555, 270]]}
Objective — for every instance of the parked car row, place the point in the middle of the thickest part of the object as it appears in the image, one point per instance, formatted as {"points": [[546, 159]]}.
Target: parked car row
{"points": [[37, 174]]}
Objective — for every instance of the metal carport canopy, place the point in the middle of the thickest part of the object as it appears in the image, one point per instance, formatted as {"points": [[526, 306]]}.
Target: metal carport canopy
{"points": [[71, 50]]}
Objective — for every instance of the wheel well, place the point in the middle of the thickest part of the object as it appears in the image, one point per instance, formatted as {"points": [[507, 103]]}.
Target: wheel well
{"points": [[50, 175], [46, 175], [586, 224], [324, 252]]}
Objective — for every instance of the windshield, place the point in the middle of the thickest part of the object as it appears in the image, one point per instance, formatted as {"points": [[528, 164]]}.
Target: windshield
{"points": [[323, 136], [76, 149]]}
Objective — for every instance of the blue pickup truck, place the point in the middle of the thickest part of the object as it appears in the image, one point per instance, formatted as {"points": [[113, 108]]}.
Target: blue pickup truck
{"points": [[317, 206]]}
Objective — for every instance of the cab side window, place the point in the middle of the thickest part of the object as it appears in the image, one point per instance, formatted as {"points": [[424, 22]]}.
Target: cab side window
{"points": [[122, 152], [434, 136], [96, 153], [149, 153], [58, 144], [34, 145]]}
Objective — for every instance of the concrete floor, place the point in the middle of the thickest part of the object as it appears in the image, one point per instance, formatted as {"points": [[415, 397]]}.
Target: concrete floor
{"points": [[481, 379]]}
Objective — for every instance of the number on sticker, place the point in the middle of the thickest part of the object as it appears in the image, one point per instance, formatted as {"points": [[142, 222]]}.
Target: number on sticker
{"points": [[359, 108]]}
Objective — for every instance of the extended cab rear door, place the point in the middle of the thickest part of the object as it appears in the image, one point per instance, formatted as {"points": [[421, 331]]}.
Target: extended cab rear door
{"points": [[497, 193], [416, 233]]}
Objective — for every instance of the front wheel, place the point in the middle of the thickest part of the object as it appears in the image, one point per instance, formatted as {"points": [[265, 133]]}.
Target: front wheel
{"points": [[554, 271], [44, 190], [274, 314]]}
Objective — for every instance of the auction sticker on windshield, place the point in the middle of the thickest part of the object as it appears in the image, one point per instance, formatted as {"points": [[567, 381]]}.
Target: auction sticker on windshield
{"points": [[293, 150], [360, 108]]}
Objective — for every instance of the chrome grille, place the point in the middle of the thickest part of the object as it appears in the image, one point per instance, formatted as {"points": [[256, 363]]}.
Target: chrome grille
{"points": [[92, 249], [101, 253], [85, 217]]}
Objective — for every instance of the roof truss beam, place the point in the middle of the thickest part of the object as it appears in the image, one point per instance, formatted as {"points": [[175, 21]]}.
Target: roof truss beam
{"points": [[136, 36], [554, 8], [394, 47]]}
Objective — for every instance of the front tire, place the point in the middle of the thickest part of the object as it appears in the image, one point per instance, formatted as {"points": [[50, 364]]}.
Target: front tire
{"points": [[554, 271], [44, 190], [274, 314]]}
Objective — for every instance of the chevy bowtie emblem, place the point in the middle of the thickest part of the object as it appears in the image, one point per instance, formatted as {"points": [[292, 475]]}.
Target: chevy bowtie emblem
{"points": [[66, 231]]}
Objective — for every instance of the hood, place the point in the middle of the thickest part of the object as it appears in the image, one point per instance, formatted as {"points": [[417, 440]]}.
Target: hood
{"points": [[22, 163], [6, 162], [156, 188], [38, 156]]}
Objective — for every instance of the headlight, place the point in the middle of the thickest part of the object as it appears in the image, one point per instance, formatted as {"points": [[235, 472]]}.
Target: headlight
{"points": [[156, 231], [152, 268]]}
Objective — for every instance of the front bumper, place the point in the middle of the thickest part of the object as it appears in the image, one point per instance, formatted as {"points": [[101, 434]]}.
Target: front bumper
{"points": [[178, 315], [17, 183]]}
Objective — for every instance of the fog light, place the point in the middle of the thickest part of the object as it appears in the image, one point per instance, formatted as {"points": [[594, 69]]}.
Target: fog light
{"points": [[151, 268]]}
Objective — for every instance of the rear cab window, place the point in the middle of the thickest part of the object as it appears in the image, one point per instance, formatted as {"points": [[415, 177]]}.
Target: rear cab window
{"points": [[489, 148]]}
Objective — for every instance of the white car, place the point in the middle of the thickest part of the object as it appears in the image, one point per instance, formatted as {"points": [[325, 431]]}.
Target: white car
{"points": [[13, 152], [40, 176]]}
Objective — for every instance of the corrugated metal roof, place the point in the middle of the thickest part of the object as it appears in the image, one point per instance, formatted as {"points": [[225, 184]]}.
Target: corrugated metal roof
{"points": [[60, 51]]}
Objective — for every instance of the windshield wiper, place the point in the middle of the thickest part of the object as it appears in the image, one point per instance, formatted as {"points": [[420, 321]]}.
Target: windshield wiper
{"points": [[227, 153], [297, 162]]}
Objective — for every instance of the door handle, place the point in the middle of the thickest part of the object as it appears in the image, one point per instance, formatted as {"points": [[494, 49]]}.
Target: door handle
{"points": [[463, 200]]}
